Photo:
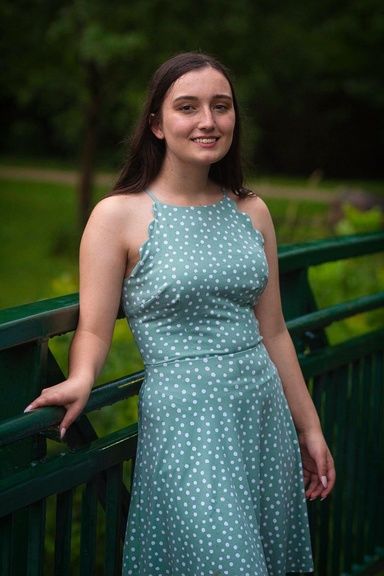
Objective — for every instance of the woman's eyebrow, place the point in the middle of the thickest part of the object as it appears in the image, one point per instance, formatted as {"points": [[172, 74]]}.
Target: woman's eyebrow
{"points": [[194, 98]]}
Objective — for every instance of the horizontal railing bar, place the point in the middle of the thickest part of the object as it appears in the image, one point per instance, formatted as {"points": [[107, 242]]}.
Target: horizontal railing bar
{"points": [[24, 425], [299, 256], [56, 316], [114, 391], [327, 359], [66, 471], [38, 320], [327, 316]]}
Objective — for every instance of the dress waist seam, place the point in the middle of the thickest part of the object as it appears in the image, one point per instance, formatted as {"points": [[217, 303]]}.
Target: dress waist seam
{"points": [[207, 357]]}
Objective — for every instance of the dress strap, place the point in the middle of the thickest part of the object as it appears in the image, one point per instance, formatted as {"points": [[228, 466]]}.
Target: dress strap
{"points": [[151, 195]]}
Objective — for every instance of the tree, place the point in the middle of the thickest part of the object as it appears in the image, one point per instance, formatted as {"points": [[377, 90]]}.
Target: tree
{"points": [[96, 43], [309, 76]]}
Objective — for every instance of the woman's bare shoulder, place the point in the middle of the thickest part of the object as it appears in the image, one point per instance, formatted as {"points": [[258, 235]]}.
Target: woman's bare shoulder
{"points": [[257, 210], [118, 208], [251, 203], [118, 202]]}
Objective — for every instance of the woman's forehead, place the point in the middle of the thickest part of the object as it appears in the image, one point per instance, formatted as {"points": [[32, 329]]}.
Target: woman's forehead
{"points": [[200, 81]]}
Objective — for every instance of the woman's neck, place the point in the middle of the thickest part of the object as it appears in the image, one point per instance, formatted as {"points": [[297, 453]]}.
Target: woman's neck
{"points": [[185, 187]]}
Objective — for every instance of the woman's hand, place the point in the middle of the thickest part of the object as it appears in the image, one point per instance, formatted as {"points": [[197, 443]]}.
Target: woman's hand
{"points": [[318, 466], [103, 263], [71, 394]]}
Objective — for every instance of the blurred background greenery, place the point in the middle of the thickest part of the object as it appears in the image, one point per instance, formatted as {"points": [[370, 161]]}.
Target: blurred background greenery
{"points": [[310, 76], [310, 80]]}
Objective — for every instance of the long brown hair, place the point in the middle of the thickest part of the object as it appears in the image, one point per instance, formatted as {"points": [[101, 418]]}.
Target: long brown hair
{"points": [[147, 152]]}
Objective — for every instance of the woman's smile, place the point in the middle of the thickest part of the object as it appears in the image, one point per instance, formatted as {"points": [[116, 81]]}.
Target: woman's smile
{"points": [[205, 140]]}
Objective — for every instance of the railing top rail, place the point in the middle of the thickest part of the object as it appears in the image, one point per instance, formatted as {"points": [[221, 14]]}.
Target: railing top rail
{"points": [[299, 256], [326, 316], [38, 320], [55, 316]]}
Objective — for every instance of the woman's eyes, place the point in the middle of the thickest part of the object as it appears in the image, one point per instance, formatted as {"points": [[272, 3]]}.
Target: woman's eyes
{"points": [[190, 108], [187, 108]]}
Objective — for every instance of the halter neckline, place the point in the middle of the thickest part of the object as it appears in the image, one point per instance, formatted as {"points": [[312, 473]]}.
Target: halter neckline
{"points": [[151, 194]]}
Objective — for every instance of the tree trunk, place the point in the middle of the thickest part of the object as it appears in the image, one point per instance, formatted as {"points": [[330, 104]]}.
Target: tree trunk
{"points": [[92, 115]]}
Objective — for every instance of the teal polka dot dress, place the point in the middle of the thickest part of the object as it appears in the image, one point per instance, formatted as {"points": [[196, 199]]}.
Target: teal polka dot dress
{"points": [[218, 487]]}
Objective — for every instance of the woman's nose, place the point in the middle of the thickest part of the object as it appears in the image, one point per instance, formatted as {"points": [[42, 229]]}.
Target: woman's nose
{"points": [[206, 120]]}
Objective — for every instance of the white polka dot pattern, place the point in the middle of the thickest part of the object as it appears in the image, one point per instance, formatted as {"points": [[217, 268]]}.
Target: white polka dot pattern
{"points": [[218, 480]]}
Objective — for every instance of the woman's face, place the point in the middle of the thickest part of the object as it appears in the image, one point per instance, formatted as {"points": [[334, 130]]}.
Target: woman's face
{"points": [[197, 118]]}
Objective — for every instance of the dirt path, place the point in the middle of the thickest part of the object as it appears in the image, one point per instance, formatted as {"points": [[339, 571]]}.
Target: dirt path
{"points": [[48, 175], [263, 188]]}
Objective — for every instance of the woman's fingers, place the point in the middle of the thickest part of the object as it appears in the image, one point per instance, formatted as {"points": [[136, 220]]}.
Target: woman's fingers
{"points": [[72, 413], [72, 398], [318, 467]]}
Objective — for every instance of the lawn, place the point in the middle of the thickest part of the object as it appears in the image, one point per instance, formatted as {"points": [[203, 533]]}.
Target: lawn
{"points": [[39, 240], [39, 236]]}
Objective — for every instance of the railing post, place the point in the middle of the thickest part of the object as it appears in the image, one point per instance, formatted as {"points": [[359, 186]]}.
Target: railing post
{"points": [[297, 300], [22, 378], [23, 374]]}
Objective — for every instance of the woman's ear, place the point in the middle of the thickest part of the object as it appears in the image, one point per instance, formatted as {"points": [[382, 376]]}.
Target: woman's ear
{"points": [[156, 126]]}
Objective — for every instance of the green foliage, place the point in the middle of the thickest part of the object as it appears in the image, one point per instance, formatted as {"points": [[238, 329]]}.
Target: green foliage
{"points": [[309, 74], [340, 281], [355, 221], [299, 221]]}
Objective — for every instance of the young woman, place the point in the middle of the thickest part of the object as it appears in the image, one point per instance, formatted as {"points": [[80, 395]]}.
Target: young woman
{"points": [[227, 429]]}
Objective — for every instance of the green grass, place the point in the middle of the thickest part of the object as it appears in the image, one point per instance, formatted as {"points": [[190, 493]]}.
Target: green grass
{"points": [[39, 242], [40, 236], [328, 185], [39, 239], [299, 221]]}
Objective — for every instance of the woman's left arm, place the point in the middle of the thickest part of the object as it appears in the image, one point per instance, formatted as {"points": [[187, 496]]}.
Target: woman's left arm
{"points": [[319, 471]]}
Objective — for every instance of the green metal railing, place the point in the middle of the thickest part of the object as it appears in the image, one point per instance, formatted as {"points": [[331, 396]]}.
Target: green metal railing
{"points": [[63, 506]]}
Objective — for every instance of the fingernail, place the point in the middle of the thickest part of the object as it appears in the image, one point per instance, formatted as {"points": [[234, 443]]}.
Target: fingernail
{"points": [[62, 433], [324, 481], [28, 409]]}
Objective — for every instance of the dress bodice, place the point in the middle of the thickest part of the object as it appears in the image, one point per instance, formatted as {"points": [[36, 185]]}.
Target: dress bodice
{"points": [[193, 291]]}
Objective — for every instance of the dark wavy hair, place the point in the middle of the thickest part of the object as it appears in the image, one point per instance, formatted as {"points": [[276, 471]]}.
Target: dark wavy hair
{"points": [[146, 153]]}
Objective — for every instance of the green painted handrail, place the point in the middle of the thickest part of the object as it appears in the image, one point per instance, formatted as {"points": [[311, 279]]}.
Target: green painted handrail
{"points": [[38, 320], [25, 425], [67, 470], [298, 256], [326, 316]]}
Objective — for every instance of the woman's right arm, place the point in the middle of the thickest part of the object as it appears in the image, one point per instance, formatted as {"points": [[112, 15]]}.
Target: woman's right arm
{"points": [[103, 262]]}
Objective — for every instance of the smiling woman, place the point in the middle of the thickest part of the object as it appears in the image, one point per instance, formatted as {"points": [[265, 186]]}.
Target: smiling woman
{"points": [[147, 152], [229, 440], [197, 121]]}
